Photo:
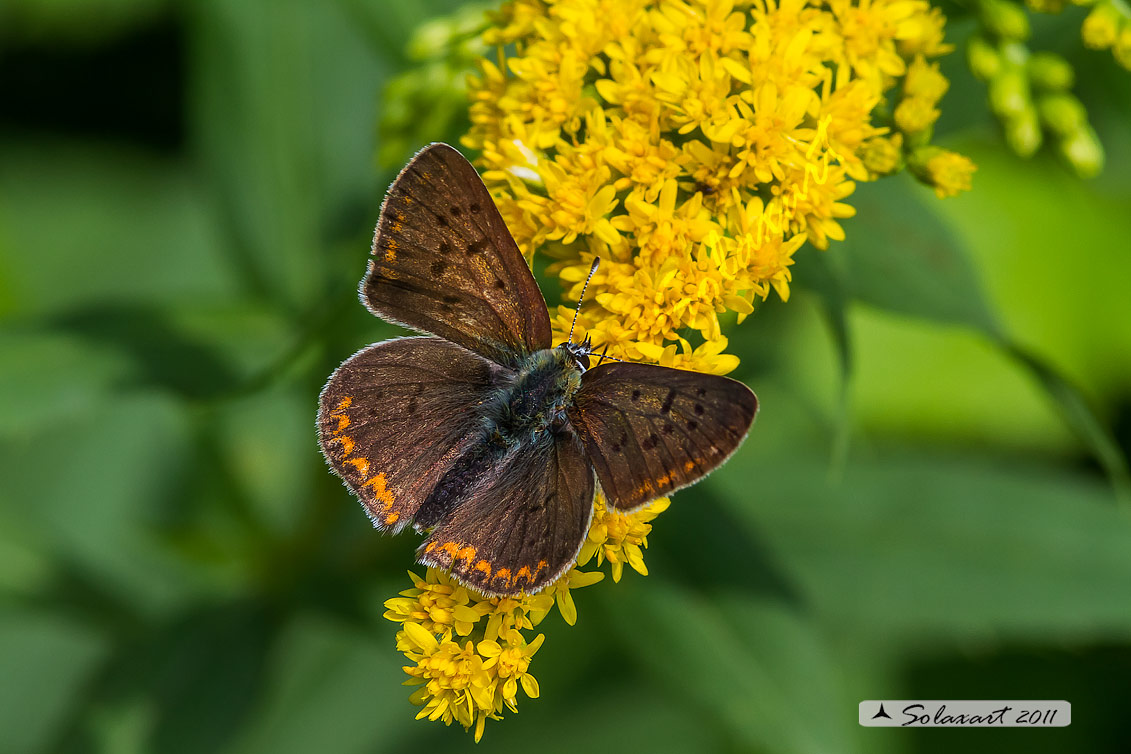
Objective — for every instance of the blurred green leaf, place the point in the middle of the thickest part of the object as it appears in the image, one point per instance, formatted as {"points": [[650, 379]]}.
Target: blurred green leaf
{"points": [[260, 437], [912, 263], [205, 673], [915, 547], [84, 226], [331, 688], [46, 662], [284, 139], [93, 488], [48, 378], [1078, 415], [161, 355], [908, 261], [755, 667]]}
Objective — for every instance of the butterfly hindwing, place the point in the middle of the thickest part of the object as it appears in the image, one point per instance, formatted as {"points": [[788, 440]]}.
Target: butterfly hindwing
{"points": [[649, 430], [444, 262], [522, 526], [396, 415]]}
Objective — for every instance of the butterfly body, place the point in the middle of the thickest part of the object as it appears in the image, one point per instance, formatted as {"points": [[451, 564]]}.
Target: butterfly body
{"points": [[481, 434], [523, 414]]}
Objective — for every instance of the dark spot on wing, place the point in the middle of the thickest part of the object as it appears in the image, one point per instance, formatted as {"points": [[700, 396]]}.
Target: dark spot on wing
{"points": [[474, 207], [478, 246], [635, 395], [701, 392], [455, 210], [445, 248], [650, 442], [412, 406], [698, 409], [439, 266], [668, 402], [692, 424], [500, 284], [667, 428], [450, 299], [441, 221]]}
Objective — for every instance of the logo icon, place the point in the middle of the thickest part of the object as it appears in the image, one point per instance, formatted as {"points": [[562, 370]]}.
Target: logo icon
{"points": [[479, 433]]}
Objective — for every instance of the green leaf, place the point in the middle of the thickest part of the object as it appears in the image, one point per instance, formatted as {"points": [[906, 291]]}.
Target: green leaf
{"points": [[46, 662], [755, 666], [93, 490], [84, 226], [330, 688], [1079, 416], [47, 378], [906, 260], [286, 142], [913, 548], [909, 262]]}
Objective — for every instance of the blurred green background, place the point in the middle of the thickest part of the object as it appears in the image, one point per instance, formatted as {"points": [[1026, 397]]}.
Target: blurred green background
{"points": [[926, 507]]}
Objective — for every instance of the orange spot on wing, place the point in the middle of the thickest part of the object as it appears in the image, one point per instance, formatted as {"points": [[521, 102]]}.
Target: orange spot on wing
{"points": [[361, 464], [391, 247], [343, 422], [430, 547], [392, 518], [451, 548], [346, 443], [380, 491], [503, 573], [523, 573], [483, 566], [343, 404], [689, 466], [541, 564], [467, 553]]}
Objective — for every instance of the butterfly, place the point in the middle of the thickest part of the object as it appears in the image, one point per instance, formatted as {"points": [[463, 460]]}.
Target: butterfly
{"points": [[479, 433]]}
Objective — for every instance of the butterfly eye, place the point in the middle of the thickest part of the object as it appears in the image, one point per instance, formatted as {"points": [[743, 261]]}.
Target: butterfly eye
{"points": [[582, 360]]}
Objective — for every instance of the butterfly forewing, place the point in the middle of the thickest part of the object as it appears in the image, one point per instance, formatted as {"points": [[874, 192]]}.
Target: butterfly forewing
{"points": [[395, 416], [524, 524], [445, 263], [649, 430]]}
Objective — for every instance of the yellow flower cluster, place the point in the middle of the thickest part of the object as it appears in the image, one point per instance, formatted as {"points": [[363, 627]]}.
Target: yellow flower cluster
{"points": [[695, 145], [471, 653]]}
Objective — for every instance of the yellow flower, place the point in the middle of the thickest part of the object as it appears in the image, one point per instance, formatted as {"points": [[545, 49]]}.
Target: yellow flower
{"points": [[882, 155], [948, 172], [510, 661], [619, 537]]}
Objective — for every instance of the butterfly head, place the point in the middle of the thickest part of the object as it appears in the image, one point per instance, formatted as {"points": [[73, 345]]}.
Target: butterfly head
{"points": [[578, 353]]}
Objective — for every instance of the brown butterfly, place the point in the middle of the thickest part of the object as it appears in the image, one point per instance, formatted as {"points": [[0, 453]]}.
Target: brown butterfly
{"points": [[481, 434]]}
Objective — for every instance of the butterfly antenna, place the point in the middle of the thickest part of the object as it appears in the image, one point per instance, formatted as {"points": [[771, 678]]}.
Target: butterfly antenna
{"points": [[596, 261]]}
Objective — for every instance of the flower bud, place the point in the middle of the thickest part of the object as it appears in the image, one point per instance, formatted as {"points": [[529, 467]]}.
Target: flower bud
{"points": [[1048, 70], [983, 58], [1101, 27], [1062, 113], [1009, 93], [1083, 151], [1023, 132], [1006, 19]]}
